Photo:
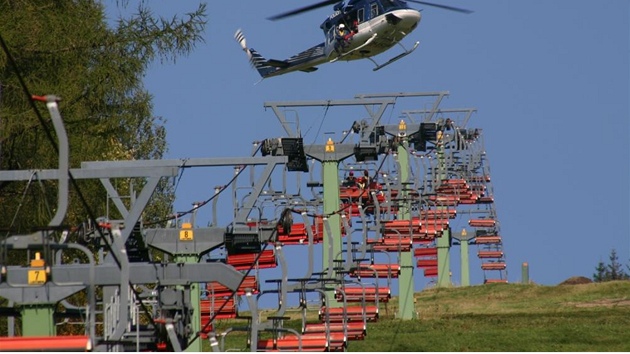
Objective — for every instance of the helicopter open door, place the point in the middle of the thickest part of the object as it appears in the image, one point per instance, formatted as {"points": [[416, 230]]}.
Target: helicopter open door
{"points": [[329, 46]]}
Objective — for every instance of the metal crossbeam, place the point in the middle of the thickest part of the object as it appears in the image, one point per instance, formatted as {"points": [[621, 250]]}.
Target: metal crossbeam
{"points": [[381, 103], [70, 278]]}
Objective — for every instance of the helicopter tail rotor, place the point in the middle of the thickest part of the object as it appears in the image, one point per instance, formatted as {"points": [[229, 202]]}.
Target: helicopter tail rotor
{"points": [[255, 59], [240, 38]]}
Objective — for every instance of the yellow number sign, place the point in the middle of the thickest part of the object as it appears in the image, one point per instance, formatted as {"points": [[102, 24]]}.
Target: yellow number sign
{"points": [[186, 235], [36, 277]]}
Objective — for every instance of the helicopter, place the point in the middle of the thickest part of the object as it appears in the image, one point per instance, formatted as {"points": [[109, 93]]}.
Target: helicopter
{"points": [[359, 29]]}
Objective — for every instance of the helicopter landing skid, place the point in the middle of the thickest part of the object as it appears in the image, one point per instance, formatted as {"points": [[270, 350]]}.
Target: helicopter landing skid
{"points": [[355, 49], [399, 56]]}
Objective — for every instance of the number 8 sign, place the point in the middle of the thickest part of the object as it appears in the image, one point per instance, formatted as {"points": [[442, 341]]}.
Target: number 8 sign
{"points": [[186, 235]]}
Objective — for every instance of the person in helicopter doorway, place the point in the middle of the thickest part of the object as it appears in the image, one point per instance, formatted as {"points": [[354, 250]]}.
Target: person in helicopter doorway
{"points": [[342, 37]]}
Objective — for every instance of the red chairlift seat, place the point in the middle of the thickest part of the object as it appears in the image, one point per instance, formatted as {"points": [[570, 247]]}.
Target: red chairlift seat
{"points": [[482, 222], [469, 200], [490, 281], [444, 200], [250, 282], [297, 229], [490, 254], [244, 261], [354, 330], [403, 229], [452, 190], [391, 244], [485, 200], [425, 252], [353, 193], [351, 314], [381, 197], [423, 238], [434, 224], [356, 194], [454, 182], [400, 225], [433, 229], [351, 208], [488, 239], [213, 306], [292, 343], [430, 272], [493, 266], [358, 294], [298, 235], [378, 270], [448, 213], [427, 263], [105, 225], [394, 193], [426, 238], [46, 343], [383, 208], [337, 341]]}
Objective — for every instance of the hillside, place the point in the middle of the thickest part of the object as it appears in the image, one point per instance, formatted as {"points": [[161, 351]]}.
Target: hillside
{"points": [[501, 317], [511, 317]]}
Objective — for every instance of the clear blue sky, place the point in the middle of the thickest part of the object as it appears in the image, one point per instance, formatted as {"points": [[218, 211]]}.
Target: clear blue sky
{"points": [[550, 80]]}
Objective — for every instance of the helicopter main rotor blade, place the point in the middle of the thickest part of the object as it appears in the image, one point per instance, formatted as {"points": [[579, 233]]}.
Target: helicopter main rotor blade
{"points": [[446, 7], [303, 9]]}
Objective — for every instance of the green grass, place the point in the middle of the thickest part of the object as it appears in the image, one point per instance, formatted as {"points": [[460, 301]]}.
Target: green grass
{"points": [[502, 317]]}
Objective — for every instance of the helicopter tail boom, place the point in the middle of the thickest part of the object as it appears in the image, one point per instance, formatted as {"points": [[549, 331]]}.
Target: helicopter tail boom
{"points": [[305, 61], [265, 67]]}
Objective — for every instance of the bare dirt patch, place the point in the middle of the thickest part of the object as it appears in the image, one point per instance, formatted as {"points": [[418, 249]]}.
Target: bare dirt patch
{"points": [[576, 281]]}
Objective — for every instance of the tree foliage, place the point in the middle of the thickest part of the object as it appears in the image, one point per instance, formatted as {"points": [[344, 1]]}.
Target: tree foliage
{"points": [[611, 271], [68, 48]]}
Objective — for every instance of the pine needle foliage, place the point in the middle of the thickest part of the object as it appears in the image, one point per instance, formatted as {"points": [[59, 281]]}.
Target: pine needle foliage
{"points": [[70, 48], [611, 271]]}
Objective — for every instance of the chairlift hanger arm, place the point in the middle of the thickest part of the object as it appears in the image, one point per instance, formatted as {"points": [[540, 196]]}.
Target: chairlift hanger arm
{"points": [[183, 163], [439, 94], [89, 173], [325, 103], [402, 94], [275, 106], [468, 111]]}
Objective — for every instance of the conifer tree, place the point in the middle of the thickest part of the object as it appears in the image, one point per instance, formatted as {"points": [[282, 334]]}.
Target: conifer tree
{"points": [[611, 271], [600, 273], [67, 48]]}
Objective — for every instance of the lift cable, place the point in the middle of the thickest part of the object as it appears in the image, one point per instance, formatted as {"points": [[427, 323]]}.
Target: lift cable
{"points": [[203, 203]]}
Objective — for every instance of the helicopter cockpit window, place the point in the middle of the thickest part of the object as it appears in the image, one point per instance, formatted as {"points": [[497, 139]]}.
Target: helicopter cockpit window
{"points": [[360, 17], [373, 10]]}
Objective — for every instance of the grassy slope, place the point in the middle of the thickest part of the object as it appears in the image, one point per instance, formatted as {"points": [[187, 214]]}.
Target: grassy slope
{"points": [[508, 317], [511, 317]]}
